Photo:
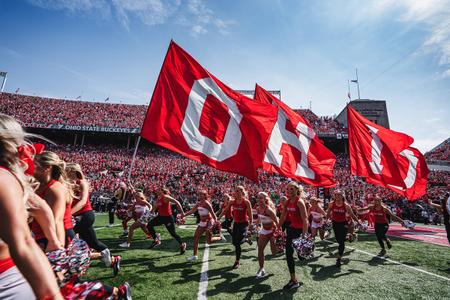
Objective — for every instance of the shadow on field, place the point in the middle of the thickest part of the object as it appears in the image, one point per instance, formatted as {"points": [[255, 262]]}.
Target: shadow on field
{"points": [[281, 294], [231, 283], [320, 272]]}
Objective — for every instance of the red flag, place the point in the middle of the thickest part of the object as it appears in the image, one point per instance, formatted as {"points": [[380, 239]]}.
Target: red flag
{"points": [[193, 113], [294, 149], [384, 157]]}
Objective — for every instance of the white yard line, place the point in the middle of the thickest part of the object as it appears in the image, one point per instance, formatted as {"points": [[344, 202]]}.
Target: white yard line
{"points": [[98, 228], [203, 284], [395, 262]]}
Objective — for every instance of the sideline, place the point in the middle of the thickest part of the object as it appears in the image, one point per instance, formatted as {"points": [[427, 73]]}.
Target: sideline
{"points": [[203, 284]]}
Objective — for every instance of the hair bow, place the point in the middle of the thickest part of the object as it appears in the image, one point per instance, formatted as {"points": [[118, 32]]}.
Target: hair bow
{"points": [[26, 155]]}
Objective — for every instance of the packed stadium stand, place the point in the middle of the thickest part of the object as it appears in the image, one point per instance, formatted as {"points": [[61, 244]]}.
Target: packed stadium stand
{"points": [[440, 153]]}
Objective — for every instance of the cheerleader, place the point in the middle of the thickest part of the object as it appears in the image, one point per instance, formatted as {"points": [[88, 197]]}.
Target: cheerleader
{"points": [[141, 211], [242, 215], [124, 203], [228, 213], [295, 212], [269, 221], [207, 218], [337, 211], [380, 212], [317, 218], [85, 218], [165, 218], [25, 272], [55, 189]]}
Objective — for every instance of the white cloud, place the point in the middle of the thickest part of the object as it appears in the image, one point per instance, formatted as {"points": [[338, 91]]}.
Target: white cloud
{"points": [[75, 6], [194, 15], [149, 12], [204, 19], [432, 15]]}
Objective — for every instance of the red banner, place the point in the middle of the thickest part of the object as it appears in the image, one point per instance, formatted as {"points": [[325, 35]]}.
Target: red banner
{"points": [[294, 150], [384, 157], [193, 113]]}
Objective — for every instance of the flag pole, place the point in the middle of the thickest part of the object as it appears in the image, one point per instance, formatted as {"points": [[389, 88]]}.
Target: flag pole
{"points": [[348, 87], [134, 158], [357, 83], [353, 190]]}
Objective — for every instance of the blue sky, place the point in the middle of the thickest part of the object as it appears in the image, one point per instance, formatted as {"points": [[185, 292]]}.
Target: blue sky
{"points": [[307, 49]]}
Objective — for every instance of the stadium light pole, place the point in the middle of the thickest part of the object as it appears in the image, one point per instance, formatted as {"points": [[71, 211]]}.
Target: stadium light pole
{"points": [[5, 75]]}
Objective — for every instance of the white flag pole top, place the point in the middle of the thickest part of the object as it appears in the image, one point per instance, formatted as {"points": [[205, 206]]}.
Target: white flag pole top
{"points": [[4, 75]]}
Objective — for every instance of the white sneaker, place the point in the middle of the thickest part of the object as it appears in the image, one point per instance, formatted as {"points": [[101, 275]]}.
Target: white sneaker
{"points": [[261, 273], [110, 225], [124, 245], [106, 257], [192, 258]]}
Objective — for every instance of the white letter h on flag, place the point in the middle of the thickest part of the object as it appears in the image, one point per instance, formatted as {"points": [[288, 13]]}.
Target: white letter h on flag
{"points": [[281, 136]]}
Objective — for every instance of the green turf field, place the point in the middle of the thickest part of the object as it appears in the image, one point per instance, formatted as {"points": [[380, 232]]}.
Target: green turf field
{"points": [[163, 274]]}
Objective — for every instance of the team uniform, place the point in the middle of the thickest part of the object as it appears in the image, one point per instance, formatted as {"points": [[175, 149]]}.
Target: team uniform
{"points": [[267, 224], [228, 219], [294, 230], [381, 225], [85, 219], [340, 225], [205, 216], [164, 218], [36, 229], [240, 226], [316, 219]]}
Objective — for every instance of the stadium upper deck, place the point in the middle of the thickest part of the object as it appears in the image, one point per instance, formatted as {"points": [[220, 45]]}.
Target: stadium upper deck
{"points": [[40, 112]]}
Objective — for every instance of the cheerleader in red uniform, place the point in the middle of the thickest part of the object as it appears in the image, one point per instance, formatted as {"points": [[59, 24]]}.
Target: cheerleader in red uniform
{"points": [[269, 222], [242, 215], [141, 214], [296, 213], [25, 272], [207, 216], [55, 189], [227, 213], [380, 213], [337, 210], [85, 218], [165, 218]]}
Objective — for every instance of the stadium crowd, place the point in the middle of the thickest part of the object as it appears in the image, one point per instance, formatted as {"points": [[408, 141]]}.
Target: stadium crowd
{"points": [[28, 110], [440, 153], [107, 166]]}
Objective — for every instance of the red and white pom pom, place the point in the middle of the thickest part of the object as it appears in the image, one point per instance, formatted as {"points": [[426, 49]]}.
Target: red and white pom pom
{"points": [[146, 217], [280, 239], [304, 246], [215, 227], [327, 226], [180, 220], [363, 226], [408, 224], [73, 261]]}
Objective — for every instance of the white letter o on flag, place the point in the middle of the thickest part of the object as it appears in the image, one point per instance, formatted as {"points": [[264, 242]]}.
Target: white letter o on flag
{"points": [[191, 123]]}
